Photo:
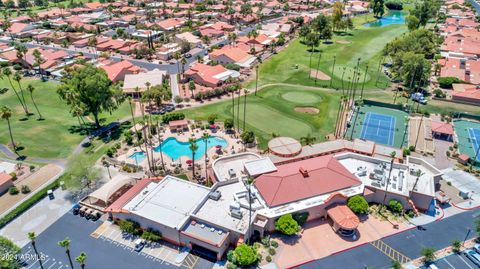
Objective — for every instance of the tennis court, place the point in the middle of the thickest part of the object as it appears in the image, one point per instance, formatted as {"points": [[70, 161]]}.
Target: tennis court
{"points": [[382, 125], [379, 128], [475, 140], [468, 136]]}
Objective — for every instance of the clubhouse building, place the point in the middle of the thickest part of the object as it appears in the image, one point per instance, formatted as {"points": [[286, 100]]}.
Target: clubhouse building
{"points": [[316, 180]]}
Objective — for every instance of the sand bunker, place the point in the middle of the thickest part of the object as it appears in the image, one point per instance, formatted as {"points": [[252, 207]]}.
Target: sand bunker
{"points": [[320, 75], [308, 110], [343, 42]]}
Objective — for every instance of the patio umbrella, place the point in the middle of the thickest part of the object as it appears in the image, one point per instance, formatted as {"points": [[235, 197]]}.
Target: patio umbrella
{"points": [[218, 147], [213, 126], [189, 162]]}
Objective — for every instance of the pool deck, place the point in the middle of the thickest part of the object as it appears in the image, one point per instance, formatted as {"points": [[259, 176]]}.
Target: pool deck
{"points": [[233, 145]]}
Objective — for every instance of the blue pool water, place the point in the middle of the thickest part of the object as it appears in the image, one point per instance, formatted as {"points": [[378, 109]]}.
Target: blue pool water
{"points": [[138, 156], [175, 149], [393, 17]]}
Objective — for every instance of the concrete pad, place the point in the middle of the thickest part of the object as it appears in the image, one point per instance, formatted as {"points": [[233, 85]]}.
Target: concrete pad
{"points": [[318, 240], [38, 218]]}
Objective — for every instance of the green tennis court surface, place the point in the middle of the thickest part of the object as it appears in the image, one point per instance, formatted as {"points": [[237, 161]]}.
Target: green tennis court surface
{"points": [[468, 134], [381, 125]]}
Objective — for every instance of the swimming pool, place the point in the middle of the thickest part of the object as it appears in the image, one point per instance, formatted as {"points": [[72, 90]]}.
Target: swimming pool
{"points": [[138, 156], [393, 17], [175, 149]]}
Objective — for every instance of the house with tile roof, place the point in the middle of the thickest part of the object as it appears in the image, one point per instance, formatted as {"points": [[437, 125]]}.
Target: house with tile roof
{"points": [[232, 55], [210, 76]]}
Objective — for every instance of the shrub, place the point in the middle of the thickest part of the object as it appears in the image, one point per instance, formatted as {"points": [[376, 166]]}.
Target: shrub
{"points": [[13, 190], [395, 206], [456, 245], [446, 82], [228, 123], [411, 147], [406, 152], [13, 175], [129, 226], [301, 218], [212, 118], [172, 116], [268, 259], [25, 189], [274, 243], [266, 241], [448, 153], [439, 93], [287, 225], [235, 67], [151, 235], [247, 137], [428, 255], [17, 67], [271, 251], [358, 204], [245, 255]]}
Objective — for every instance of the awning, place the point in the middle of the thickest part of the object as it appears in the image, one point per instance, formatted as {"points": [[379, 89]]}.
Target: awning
{"points": [[343, 217], [102, 196]]}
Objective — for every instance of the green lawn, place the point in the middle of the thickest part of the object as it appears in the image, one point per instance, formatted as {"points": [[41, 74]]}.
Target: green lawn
{"points": [[272, 111], [365, 43], [54, 137]]}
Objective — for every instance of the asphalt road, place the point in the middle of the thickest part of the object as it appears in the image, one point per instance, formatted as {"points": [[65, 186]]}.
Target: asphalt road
{"points": [[437, 235], [100, 254]]}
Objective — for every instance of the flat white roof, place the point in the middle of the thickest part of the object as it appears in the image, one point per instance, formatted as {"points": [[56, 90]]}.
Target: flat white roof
{"points": [[169, 202], [231, 167], [260, 166]]}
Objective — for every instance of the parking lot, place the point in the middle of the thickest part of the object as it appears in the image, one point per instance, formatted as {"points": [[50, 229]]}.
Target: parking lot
{"points": [[162, 253], [455, 261], [104, 250]]}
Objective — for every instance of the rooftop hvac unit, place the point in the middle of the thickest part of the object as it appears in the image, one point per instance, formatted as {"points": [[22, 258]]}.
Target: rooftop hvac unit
{"points": [[234, 205], [215, 195], [236, 213]]}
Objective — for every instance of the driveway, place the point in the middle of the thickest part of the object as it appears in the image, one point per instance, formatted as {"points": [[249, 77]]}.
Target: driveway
{"points": [[437, 235], [318, 240]]}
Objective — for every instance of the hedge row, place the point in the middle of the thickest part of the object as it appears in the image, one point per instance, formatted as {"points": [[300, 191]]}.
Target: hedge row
{"points": [[28, 203]]}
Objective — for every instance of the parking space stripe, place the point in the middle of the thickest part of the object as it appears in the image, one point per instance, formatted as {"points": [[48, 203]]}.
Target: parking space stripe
{"points": [[449, 264], [390, 252], [461, 258], [52, 265]]}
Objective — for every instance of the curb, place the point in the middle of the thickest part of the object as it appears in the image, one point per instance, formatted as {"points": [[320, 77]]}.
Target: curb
{"points": [[466, 208]]}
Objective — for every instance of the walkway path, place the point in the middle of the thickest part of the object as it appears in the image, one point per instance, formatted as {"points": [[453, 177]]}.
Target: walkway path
{"points": [[174, 86]]}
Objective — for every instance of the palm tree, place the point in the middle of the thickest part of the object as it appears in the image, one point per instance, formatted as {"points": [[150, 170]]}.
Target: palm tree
{"points": [[32, 236], [184, 62], [205, 137], [6, 113], [245, 108], [30, 89], [193, 149], [396, 264], [359, 104], [65, 243], [81, 259], [392, 156], [256, 79], [308, 140], [333, 69], [177, 57], [18, 78], [7, 73]]}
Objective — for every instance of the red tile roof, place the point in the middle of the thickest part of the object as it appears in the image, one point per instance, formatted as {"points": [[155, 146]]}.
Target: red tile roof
{"points": [[344, 217], [304, 179], [442, 127], [5, 178]]}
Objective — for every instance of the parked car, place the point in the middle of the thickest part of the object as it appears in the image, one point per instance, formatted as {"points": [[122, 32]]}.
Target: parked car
{"points": [[472, 255], [188, 55], [50, 194], [139, 244], [418, 97], [76, 209]]}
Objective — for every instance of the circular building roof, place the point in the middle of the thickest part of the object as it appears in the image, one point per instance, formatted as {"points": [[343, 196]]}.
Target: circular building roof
{"points": [[284, 146]]}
